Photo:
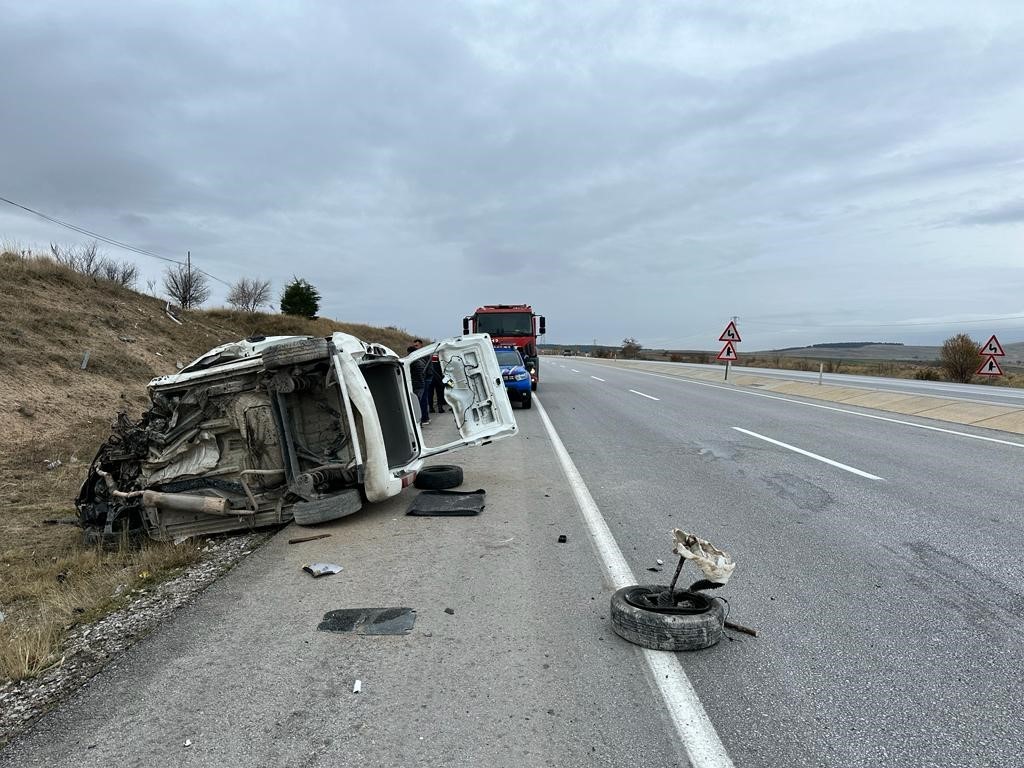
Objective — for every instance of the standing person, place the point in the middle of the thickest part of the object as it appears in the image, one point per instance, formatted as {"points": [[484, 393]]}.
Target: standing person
{"points": [[417, 371], [437, 385]]}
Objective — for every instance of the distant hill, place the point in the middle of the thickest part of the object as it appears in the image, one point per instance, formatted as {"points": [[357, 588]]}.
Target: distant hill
{"points": [[880, 351]]}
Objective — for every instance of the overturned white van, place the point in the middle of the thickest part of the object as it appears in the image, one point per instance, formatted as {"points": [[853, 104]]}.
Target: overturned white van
{"points": [[258, 431]]}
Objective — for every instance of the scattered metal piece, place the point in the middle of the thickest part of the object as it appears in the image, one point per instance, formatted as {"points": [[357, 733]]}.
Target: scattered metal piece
{"points": [[308, 538], [357, 686], [316, 570], [741, 628], [660, 561], [188, 742], [369, 621], [447, 503], [562, 538], [85, 360]]}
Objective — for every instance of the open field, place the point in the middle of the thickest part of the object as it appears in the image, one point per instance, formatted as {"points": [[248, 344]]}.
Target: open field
{"points": [[54, 415]]}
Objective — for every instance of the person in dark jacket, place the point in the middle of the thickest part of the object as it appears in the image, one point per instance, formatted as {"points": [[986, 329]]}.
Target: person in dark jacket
{"points": [[417, 371], [436, 385]]}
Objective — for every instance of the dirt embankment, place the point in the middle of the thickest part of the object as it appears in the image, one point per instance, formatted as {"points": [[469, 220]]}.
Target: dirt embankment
{"points": [[54, 413]]}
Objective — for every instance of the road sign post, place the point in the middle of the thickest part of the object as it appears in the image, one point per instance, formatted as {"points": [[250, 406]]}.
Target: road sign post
{"points": [[991, 349], [731, 337]]}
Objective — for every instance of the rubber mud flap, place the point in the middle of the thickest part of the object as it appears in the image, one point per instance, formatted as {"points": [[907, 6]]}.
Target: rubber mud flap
{"points": [[665, 631], [295, 352], [439, 477], [324, 510]]}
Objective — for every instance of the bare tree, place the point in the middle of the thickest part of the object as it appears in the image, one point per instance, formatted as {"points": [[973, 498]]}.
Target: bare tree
{"points": [[630, 348], [248, 294], [121, 272], [188, 287]]}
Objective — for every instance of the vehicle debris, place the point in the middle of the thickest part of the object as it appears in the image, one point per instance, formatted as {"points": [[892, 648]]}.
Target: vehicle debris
{"points": [[562, 538], [450, 611], [52, 464], [316, 570], [357, 686], [369, 621], [259, 431], [302, 539], [448, 503], [663, 618]]}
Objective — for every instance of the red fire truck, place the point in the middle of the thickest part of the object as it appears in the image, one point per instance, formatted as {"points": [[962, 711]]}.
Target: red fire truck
{"points": [[510, 325]]}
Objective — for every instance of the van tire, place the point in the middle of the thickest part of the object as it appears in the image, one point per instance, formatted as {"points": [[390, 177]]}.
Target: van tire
{"points": [[439, 477], [665, 631], [324, 510], [295, 353]]}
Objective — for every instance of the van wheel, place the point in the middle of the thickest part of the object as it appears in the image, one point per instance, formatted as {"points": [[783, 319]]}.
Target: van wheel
{"points": [[331, 508], [692, 622], [527, 401], [439, 477], [295, 352]]}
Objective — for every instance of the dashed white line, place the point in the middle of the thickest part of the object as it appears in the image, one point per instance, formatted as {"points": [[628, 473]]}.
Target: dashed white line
{"points": [[833, 408], [574, 370], [597, 378], [649, 397], [802, 452], [700, 740]]}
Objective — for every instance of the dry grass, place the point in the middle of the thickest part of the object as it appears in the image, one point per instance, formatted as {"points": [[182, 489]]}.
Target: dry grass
{"points": [[50, 409]]}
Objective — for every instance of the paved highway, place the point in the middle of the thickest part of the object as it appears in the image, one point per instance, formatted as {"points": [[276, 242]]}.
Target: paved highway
{"points": [[880, 563], [982, 393]]}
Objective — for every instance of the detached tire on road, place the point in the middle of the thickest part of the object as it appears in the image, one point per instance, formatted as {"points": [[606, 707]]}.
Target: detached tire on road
{"points": [[439, 477], [688, 631], [325, 510], [295, 353]]}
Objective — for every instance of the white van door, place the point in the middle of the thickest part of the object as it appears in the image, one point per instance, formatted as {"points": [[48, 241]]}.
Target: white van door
{"points": [[473, 388]]}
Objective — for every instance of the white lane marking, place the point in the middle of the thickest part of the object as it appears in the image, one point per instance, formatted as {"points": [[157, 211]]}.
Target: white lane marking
{"points": [[649, 397], [694, 728], [833, 408], [574, 370], [595, 377], [802, 452]]}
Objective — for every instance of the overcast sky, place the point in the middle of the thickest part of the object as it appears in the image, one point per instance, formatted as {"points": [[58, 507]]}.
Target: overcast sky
{"points": [[827, 171]]}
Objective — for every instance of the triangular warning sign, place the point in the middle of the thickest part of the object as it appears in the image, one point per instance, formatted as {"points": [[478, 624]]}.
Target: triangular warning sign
{"points": [[730, 334], [728, 352], [993, 348], [990, 367]]}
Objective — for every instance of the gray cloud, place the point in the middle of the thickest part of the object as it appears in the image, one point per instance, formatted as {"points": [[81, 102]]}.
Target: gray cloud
{"points": [[633, 169]]}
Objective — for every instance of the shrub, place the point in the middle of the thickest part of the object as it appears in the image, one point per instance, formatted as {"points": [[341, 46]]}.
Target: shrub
{"points": [[927, 374], [960, 358], [300, 298]]}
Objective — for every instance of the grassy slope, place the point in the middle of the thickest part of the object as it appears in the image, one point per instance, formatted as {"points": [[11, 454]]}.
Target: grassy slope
{"points": [[51, 410]]}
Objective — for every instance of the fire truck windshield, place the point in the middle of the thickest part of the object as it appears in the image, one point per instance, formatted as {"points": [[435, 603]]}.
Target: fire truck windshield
{"points": [[505, 323]]}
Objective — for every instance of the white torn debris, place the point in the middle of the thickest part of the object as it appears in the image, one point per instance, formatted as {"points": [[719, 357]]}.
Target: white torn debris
{"points": [[316, 570], [716, 563], [357, 687]]}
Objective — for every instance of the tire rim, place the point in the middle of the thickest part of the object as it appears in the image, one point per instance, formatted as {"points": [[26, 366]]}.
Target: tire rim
{"points": [[683, 603]]}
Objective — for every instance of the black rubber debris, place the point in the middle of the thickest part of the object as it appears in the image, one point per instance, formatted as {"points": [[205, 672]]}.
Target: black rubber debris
{"points": [[562, 539], [448, 503], [369, 621]]}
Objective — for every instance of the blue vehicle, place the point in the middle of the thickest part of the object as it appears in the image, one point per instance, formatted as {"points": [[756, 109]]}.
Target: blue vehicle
{"points": [[514, 374]]}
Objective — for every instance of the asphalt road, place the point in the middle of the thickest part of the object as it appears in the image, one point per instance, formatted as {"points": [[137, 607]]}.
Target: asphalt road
{"points": [[886, 587], [981, 393], [891, 609]]}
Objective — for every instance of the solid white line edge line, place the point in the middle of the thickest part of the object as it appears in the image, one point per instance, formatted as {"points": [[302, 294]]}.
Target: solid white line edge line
{"points": [[649, 397], [802, 452], [695, 730]]}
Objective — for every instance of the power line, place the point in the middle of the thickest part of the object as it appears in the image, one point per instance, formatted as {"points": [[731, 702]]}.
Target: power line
{"points": [[107, 240]]}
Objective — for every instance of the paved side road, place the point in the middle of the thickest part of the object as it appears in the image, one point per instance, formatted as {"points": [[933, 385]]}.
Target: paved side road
{"points": [[525, 672]]}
